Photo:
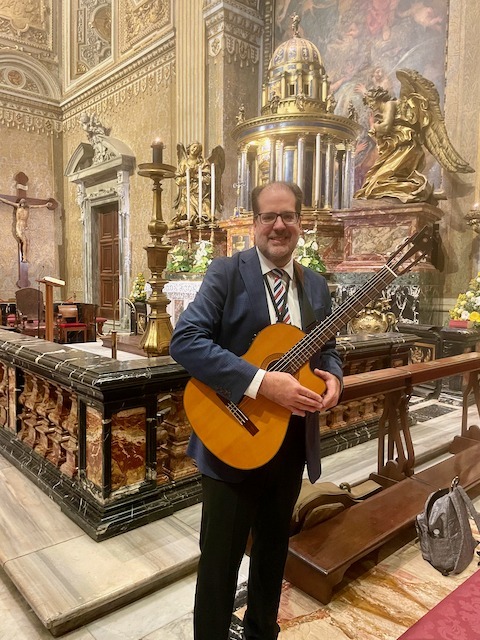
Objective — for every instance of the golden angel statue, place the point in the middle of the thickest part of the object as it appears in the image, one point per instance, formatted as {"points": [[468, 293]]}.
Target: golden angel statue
{"points": [[199, 185], [402, 128]]}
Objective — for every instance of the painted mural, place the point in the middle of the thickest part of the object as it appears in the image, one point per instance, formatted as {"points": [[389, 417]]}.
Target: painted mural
{"points": [[363, 43]]}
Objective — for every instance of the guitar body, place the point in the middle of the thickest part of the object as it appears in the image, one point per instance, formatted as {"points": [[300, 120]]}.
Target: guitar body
{"points": [[221, 432], [249, 434]]}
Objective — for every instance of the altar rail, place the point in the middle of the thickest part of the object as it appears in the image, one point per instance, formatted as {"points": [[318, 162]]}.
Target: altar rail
{"points": [[106, 440], [319, 557]]}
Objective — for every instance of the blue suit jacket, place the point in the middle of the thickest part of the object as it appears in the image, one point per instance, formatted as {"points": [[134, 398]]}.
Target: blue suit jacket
{"points": [[218, 327]]}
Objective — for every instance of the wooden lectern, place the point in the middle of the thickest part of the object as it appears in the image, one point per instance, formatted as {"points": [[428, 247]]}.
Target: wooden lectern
{"points": [[49, 283]]}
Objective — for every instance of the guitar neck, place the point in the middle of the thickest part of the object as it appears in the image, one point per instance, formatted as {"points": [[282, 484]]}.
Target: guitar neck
{"points": [[294, 359]]}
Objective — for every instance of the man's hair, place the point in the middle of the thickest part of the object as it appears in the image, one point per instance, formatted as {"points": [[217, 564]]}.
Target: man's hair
{"points": [[288, 186]]}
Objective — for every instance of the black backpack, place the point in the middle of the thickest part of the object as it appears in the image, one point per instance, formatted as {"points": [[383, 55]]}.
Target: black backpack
{"points": [[444, 532]]}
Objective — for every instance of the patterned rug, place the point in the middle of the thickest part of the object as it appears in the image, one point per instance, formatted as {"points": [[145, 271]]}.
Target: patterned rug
{"points": [[456, 617]]}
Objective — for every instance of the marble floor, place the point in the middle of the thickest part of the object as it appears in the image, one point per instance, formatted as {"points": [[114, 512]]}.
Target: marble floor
{"points": [[149, 574]]}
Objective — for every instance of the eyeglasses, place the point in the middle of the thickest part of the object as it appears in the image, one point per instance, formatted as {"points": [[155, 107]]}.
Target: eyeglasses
{"points": [[270, 217]]}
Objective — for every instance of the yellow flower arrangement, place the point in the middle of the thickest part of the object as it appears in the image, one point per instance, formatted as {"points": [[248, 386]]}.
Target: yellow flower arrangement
{"points": [[467, 306]]}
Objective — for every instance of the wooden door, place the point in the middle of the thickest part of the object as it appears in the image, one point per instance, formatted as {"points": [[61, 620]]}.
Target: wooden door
{"points": [[109, 263]]}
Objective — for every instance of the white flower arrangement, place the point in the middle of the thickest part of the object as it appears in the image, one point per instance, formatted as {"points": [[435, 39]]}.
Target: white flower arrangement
{"points": [[202, 257], [306, 252], [185, 259]]}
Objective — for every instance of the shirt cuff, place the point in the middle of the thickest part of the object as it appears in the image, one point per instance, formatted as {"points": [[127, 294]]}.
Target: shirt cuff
{"points": [[252, 389]]}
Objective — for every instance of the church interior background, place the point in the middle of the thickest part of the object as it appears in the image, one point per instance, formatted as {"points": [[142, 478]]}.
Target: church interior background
{"points": [[94, 93]]}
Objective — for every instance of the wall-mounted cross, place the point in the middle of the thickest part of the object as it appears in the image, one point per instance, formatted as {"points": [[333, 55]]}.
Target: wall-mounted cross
{"points": [[22, 204]]}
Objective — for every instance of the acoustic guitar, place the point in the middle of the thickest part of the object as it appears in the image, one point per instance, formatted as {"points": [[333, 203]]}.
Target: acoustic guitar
{"points": [[248, 434]]}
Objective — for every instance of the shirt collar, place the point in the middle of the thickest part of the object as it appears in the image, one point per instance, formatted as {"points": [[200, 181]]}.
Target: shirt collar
{"points": [[266, 265]]}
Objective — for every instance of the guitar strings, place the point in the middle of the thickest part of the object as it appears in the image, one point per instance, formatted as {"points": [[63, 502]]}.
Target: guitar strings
{"points": [[296, 357]]}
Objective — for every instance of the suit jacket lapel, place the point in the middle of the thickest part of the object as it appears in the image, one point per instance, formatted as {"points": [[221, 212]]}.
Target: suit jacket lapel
{"points": [[306, 311], [252, 277]]}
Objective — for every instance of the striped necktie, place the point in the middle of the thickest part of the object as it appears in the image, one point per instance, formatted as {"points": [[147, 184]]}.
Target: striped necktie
{"points": [[280, 296]]}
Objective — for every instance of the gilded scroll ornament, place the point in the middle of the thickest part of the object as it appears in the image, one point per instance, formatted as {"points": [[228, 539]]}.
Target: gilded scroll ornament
{"points": [[402, 128]]}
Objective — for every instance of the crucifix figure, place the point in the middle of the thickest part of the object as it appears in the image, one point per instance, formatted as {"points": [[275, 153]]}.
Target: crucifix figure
{"points": [[22, 205]]}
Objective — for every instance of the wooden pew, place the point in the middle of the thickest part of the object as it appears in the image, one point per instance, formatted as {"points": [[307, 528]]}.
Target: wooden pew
{"points": [[319, 557]]}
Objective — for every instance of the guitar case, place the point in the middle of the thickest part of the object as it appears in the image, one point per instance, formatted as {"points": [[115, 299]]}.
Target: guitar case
{"points": [[324, 500]]}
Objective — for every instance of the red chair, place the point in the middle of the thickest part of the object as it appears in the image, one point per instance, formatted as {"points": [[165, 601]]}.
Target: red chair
{"points": [[67, 322]]}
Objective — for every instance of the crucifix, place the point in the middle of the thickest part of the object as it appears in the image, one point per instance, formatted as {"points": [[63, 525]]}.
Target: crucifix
{"points": [[22, 204]]}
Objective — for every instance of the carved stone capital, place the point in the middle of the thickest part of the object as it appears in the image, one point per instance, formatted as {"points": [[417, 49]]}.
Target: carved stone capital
{"points": [[234, 33]]}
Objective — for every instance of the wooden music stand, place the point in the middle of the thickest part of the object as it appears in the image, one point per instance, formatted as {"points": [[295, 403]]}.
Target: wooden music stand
{"points": [[49, 283]]}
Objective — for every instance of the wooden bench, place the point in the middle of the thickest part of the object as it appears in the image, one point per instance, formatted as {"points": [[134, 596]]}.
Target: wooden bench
{"points": [[319, 557]]}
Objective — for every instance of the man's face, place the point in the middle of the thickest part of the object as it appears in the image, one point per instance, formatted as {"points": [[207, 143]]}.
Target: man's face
{"points": [[276, 241]]}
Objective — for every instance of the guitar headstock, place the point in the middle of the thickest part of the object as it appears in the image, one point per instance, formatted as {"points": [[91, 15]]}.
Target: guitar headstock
{"points": [[410, 252]]}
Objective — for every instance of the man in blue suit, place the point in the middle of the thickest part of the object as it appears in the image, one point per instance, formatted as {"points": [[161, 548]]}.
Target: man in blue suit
{"points": [[239, 297]]}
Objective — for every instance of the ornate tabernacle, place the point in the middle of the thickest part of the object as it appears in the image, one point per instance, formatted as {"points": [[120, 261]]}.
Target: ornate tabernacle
{"points": [[297, 137]]}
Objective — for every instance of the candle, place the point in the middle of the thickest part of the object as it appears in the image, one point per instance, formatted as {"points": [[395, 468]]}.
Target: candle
{"points": [[187, 178], [200, 193], [212, 190], [157, 151]]}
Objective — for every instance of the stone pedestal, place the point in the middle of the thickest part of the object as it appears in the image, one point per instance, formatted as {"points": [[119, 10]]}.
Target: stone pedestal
{"points": [[373, 231], [239, 233]]}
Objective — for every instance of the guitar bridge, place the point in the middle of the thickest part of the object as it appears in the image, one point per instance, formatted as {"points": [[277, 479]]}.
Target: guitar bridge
{"points": [[242, 419]]}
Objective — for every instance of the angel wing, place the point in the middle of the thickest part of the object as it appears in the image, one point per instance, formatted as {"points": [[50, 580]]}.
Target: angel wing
{"points": [[422, 92], [217, 158], [181, 153]]}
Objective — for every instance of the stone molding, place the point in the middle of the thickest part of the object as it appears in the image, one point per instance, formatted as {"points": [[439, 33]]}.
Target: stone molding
{"points": [[234, 33], [23, 114], [145, 74]]}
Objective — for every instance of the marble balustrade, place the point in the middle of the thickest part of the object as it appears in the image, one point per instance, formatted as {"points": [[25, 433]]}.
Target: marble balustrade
{"points": [[105, 439]]}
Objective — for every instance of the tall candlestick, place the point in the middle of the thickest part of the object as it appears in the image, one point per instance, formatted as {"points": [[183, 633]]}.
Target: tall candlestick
{"points": [[187, 178], [200, 194], [212, 190], [157, 151]]}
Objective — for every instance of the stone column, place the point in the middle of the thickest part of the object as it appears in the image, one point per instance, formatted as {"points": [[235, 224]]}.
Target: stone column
{"points": [[280, 147], [329, 174], [300, 160], [243, 179], [233, 75], [190, 72], [318, 172]]}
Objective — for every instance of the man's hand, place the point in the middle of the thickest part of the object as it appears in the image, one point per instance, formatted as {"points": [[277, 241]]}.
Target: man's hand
{"points": [[287, 391], [333, 389]]}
